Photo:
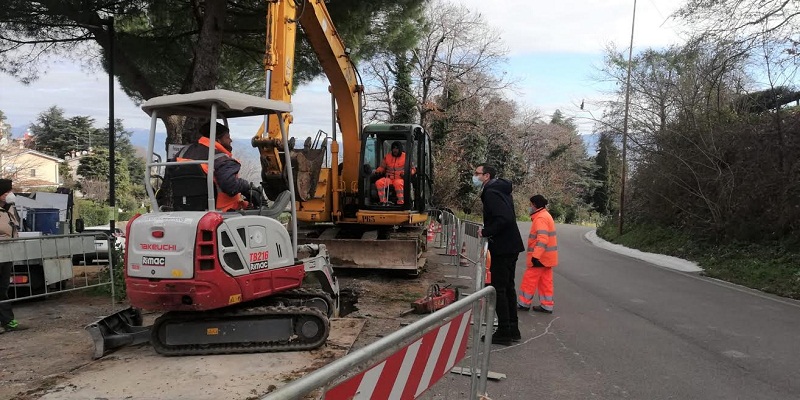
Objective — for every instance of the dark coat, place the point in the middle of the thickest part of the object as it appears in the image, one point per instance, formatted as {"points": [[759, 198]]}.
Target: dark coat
{"points": [[226, 169], [499, 219]]}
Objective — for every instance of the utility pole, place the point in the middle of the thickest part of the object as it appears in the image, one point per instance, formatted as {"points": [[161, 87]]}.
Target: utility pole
{"points": [[625, 127], [112, 198]]}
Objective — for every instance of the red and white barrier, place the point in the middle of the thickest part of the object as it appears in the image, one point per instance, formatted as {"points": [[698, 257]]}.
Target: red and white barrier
{"points": [[433, 229], [407, 373], [451, 244]]}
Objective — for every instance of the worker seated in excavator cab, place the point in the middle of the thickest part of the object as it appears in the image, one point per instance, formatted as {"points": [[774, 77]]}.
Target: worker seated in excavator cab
{"points": [[185, 186], [392, 171]]}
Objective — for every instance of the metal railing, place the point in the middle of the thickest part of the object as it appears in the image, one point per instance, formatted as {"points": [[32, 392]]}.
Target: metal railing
{"points": [[482, 304], [43, 265]]}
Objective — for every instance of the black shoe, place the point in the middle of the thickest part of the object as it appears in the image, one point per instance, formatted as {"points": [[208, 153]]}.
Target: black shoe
{"points": [[516, 336], [541, 310], [499, 339], [522, 308]]}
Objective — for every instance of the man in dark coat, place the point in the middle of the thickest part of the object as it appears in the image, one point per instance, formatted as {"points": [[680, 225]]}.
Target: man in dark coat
{"points": [[505, 244]]}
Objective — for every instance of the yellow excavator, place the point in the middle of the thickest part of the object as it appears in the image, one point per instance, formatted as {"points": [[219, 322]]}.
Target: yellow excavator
{"points": [[337, 197]]}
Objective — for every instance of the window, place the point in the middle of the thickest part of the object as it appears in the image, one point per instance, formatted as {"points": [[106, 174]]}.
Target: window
{"points": [[33, 173]]}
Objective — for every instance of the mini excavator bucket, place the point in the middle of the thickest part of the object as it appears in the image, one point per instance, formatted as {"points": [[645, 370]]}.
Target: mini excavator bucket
{"points": [[120, 329]]}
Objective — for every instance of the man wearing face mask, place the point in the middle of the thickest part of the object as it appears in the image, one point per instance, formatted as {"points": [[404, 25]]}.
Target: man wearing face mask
{"points": [[541, 258], [8, 230], [505, 244]]}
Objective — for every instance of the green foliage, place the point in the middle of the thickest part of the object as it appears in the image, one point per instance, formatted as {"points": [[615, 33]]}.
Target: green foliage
{"points": [[404, 101], [117, 263], [367, 28], [94, 166], [91, 212], [127, 215], [605, 199]]}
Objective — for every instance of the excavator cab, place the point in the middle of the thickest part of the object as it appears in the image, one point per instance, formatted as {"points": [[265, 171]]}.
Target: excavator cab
{"points": [[416, 180]]}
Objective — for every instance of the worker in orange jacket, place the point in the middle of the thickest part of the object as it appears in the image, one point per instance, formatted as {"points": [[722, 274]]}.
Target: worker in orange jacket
{"points": [[232, 192], [542, 257], [393, 166]]}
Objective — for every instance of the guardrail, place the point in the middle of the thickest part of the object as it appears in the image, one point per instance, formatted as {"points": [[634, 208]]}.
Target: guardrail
{"points": [[43, 265], [421, 352]]}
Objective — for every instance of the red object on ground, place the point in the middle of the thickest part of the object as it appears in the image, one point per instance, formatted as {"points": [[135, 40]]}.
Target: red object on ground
{"points": [[436, 299]]}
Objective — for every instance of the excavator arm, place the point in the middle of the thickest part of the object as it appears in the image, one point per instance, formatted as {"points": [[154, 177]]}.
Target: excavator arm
{"points": [[364, 234], [283, 17]]}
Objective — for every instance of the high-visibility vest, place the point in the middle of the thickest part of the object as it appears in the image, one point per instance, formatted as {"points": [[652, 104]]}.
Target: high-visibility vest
{"points": [[542, 240], [488, 267], [394, 166], [223, 201]]}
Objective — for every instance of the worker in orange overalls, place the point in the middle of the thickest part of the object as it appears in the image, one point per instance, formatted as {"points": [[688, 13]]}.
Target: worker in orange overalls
{"points": [[542, 257], [393, 166]]}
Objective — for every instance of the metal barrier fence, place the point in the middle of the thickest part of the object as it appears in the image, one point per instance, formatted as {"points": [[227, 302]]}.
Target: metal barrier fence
{"points": [[43, 265], [447, 237], [463, 245], [421, 352]]}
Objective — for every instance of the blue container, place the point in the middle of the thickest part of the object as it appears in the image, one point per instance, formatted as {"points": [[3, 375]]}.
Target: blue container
{"points": [[44, 220]]}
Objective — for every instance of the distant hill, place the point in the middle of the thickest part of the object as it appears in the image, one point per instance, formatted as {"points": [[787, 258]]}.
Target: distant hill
{"points": [[18, 131]]}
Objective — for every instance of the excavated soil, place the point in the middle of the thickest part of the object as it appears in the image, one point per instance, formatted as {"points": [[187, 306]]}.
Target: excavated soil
{"points": [[52, 358]]}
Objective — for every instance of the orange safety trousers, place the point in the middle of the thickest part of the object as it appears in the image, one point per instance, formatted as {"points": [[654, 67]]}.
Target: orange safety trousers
{"points": [[537, 279], [398, 184]]}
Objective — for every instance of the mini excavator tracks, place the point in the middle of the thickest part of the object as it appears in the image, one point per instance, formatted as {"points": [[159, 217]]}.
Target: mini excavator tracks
{"points": [[242, 330]]}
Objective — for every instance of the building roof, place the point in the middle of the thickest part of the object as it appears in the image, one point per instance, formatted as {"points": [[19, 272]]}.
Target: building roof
{"points": [[40, 154]]}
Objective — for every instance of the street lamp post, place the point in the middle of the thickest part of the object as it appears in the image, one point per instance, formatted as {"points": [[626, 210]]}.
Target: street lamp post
{"points": [[625, 127]]}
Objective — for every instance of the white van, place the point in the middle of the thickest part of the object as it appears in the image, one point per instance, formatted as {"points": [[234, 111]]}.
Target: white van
{"points": [[102, 236]]}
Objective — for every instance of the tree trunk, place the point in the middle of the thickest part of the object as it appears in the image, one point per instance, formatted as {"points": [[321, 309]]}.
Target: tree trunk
{"points": [[204, 73]]}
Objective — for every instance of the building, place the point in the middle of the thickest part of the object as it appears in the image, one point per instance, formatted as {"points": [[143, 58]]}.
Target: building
{"points": [[29, 169]]}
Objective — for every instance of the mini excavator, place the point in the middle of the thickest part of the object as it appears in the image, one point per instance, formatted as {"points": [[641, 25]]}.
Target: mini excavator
{"points": [[226, 282]]}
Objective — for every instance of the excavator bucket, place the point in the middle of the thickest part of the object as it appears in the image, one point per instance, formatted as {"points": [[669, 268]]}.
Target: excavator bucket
{"points": [[373, 254], [120, 329]]}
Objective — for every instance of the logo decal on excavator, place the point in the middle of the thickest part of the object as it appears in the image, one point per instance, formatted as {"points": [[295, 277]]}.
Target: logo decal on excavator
{"points": [[259, 265], [158, 247], [257, 256], [154, 261]]}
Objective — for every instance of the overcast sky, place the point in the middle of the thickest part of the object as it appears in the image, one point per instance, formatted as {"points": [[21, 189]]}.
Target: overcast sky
{"points": [[555, 48]]}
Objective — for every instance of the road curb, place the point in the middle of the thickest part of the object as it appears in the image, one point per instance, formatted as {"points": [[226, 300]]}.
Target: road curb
{"points": [[657, 259]]}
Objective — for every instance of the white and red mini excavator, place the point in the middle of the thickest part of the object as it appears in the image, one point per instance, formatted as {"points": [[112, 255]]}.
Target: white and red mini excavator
{"points": [[226, 282]]}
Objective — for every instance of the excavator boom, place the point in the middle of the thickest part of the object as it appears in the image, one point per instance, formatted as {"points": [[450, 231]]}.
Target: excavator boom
{"points": [[336, 198]]}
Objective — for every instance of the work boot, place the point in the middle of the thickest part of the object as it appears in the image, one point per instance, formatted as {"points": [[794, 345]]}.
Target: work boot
{"points": [[541, 309], [11, 326], [515, 335], [523, 308], [501, 338]]}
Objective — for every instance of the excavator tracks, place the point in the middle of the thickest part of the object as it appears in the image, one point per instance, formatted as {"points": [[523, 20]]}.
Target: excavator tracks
{"points": [[305, 297], [242, 330]]}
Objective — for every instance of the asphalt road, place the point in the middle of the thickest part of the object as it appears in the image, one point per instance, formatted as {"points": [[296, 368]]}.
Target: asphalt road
{"points": [[624, 328]]}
